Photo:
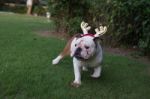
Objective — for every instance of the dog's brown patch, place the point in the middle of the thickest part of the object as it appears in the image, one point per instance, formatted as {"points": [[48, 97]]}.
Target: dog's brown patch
{"points": [[66, 50]]}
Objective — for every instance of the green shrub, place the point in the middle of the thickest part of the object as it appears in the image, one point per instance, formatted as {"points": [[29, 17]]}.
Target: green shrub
{"points": [[128, 21], [15, 9], [19, 9], [39, 10], [73, 25]]}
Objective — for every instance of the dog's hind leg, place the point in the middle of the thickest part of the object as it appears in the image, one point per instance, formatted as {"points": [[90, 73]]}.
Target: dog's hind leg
{"points": [[97, 72], [65, 52], [57, 59]]}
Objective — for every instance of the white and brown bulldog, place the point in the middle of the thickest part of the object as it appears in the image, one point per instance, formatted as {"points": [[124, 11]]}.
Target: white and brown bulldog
{"points": [[86, 52]]}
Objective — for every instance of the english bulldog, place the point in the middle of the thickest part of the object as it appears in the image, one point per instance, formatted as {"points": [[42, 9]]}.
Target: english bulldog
{"points": [[86, 52]]}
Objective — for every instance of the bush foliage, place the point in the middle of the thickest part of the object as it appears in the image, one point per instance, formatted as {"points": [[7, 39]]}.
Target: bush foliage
{"points": [[128, 20]]}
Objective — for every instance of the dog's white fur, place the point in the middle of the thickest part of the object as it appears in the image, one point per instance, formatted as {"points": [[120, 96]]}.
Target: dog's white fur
{"points": [[93, 61]]}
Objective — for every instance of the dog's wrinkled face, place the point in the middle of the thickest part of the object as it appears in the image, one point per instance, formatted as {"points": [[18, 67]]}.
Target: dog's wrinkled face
{"points": [[83, 47]]}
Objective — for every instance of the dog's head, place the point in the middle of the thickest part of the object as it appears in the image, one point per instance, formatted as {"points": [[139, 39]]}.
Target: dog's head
{"points": [[84, 45]]}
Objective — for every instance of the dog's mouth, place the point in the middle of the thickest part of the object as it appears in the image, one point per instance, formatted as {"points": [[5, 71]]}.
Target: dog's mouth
{"points": [[79, 57]]}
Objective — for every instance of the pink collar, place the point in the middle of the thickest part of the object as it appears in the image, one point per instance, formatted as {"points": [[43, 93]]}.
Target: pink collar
{"points": [[87, 35]]}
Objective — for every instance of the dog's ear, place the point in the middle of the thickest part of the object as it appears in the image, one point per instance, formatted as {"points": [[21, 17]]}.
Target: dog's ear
{"points": [[78, 35], [98, 40]]}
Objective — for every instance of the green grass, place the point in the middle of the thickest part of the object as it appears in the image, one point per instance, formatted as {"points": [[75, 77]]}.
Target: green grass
{"points": [[26, 71]]}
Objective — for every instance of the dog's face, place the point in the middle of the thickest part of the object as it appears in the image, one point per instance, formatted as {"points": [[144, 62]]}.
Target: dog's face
{"points": [[83, 47]]}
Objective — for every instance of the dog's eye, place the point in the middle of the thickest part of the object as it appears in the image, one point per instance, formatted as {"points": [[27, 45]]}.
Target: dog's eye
{"points": [[87, 47], [75, 45]]}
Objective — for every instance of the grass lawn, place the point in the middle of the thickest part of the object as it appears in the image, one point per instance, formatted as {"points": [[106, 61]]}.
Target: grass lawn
{"points": [[26, 71]]}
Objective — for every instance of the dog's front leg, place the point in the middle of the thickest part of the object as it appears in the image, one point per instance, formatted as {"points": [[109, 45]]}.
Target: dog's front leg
{"points": [[77, 73]]}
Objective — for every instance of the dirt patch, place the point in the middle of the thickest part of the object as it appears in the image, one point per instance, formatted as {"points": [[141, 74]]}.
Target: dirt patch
{"points": [[58, 34], [129, 52], [119, 51]]}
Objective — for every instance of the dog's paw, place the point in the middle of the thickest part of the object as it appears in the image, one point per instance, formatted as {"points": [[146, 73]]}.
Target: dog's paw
{"points": [[84, 69], [76, 84], [55, 61], [95, 76]]}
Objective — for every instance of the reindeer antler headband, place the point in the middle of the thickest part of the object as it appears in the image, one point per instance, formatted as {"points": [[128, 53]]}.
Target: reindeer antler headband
{"points": [[99, 31]]}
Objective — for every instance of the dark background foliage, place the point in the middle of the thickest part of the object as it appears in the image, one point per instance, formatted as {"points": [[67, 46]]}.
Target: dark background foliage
{"points": [[128, 21]]}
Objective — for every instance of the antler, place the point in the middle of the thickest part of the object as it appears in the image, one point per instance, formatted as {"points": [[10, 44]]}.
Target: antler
{"points": [[85, 27], [102, 30]]}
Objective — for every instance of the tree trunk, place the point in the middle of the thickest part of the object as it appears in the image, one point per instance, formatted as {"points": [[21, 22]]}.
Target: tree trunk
{"points": [[29, 6]]}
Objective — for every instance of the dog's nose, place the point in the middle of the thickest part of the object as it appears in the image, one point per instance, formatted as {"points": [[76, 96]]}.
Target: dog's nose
{"points": [[78, 51]]}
